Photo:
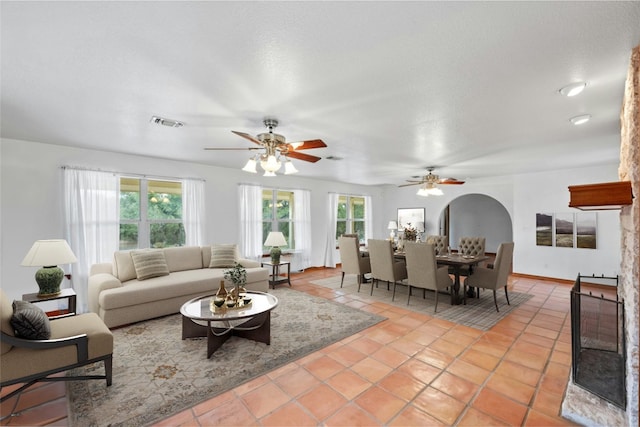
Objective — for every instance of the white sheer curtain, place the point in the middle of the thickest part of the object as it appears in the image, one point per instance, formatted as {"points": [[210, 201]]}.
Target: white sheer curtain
{"points": [[92, 223], [368, 219], [332, 218], [250, 199], [301, 230], [193, 206]]}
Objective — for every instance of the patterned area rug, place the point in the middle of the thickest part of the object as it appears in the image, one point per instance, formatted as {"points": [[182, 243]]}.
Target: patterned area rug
{"points": [[157, 374], [479, 313]]}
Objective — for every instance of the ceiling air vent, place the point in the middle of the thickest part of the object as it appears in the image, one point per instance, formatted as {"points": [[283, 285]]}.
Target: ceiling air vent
{"points": [[166, 122]]}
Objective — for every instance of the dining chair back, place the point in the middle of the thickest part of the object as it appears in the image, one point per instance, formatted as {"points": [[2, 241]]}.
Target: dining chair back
{"points": [[440, 243], [496, 277], [423, 271], [473, 246], [383, 264], [351, 260]]}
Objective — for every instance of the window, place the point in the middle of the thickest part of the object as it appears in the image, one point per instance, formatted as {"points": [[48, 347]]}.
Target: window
{"points": [[154, 220], [277, 215], [351, 216]]}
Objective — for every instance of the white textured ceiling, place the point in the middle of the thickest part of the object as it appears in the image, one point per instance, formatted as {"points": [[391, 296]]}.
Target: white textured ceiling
{"points": [[391, 87]]}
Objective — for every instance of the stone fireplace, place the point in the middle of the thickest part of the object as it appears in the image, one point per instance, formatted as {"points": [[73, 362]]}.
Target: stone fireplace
{"points": [[580, 405]]}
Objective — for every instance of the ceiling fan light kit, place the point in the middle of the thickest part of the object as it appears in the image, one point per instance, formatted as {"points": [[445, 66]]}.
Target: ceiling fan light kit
{"points": [[277, 151]]}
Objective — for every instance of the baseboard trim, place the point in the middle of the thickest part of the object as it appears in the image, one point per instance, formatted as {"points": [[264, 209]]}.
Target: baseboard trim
{"points": [[544, 278]]}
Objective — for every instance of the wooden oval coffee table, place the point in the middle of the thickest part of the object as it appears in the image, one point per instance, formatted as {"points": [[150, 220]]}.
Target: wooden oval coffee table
{"points": [[251, 322]]}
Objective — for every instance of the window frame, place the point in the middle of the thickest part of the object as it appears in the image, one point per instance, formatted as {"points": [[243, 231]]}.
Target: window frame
{"points": [[275, 221], [143, 222], [350, 220]]}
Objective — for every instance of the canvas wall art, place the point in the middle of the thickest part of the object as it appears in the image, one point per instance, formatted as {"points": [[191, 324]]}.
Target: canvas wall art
{"points": [[586, 230], [564, 230], [544, 229]]}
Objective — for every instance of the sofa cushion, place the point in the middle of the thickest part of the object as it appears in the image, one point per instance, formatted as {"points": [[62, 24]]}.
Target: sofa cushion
{"points": [[123, 267], [183, 258], [223, 256], [149, 263], [30, 322]]}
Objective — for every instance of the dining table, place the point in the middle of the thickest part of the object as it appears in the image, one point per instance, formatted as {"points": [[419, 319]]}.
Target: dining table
{"points": [[456, 261]]}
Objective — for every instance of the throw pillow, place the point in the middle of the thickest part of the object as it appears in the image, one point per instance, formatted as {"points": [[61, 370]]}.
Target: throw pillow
{"points": [[149, 264], [30, 322], [223, 256]]}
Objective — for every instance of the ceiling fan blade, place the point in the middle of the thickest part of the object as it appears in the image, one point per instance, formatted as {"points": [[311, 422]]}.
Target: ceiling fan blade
{"points": [[231, 149], [413, 183], [450, 181], [247, 136], [302, 156], [306, 145]]}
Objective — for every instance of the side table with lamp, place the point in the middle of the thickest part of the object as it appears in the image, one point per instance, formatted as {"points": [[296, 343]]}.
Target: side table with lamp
{"points": [[48, 254], [275, 239]]}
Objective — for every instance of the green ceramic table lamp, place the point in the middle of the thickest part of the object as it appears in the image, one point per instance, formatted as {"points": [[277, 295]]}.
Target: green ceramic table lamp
{"points": [[48, 254], [275, 239]]}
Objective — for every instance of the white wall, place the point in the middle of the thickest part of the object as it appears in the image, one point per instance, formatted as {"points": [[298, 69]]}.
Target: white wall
{"points": [[31, 201], [31, 206], [479, 215], [547, 192]]}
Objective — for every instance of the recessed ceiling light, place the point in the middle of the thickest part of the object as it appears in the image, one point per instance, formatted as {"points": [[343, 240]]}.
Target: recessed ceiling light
{"points": [[573, 89], [578, 120], [166, 122]]}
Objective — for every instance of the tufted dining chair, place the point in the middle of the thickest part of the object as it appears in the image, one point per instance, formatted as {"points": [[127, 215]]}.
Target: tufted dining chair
{"points": [[470, 246], [351, 260], [384, 266], [440, 243], [496, 277], [423, 272]]}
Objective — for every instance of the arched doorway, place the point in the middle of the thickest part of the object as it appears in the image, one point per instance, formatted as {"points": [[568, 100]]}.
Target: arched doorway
{"points": [[476, 215]]}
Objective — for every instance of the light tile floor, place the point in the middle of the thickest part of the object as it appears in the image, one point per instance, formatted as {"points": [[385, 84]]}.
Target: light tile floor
{"points": [[411, 369]]}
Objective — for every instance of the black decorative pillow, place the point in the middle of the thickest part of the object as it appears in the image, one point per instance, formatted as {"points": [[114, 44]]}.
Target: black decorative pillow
{"points": [[30, 322]]}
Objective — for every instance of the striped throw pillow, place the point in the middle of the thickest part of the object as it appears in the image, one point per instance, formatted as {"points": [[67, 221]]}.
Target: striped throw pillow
{"points": [[149, 264], [223, 256]]}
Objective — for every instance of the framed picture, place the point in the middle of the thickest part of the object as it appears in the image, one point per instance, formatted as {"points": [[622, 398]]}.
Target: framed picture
{"points": [[564, 230], [586, 227], [544, 229], [410, 216]]}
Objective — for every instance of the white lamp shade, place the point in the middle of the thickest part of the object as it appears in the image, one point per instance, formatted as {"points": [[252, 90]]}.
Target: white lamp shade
{"points": [[250, 166], [49, 253], [392, 225], [289, 168], [275, 238]]}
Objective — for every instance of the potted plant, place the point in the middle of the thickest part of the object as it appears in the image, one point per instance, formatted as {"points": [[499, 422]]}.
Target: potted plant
{"points": [[238, 276]]}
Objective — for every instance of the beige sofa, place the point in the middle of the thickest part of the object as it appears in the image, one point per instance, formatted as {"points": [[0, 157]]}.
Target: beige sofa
{"points": [[119, 298]]}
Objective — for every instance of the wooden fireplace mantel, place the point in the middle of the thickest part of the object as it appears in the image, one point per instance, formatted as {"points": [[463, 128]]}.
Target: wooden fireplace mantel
{"points": [[604, 196]]}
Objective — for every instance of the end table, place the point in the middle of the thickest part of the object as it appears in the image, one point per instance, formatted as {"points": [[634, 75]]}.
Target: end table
{"points": [[274, 277], [66, 293]]}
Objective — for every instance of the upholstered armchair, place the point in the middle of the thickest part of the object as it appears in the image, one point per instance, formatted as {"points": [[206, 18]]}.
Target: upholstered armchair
{"points": [[384, 266], [493, 278], [440, 243], [423, 271], [74, 341], [351, 260]]}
